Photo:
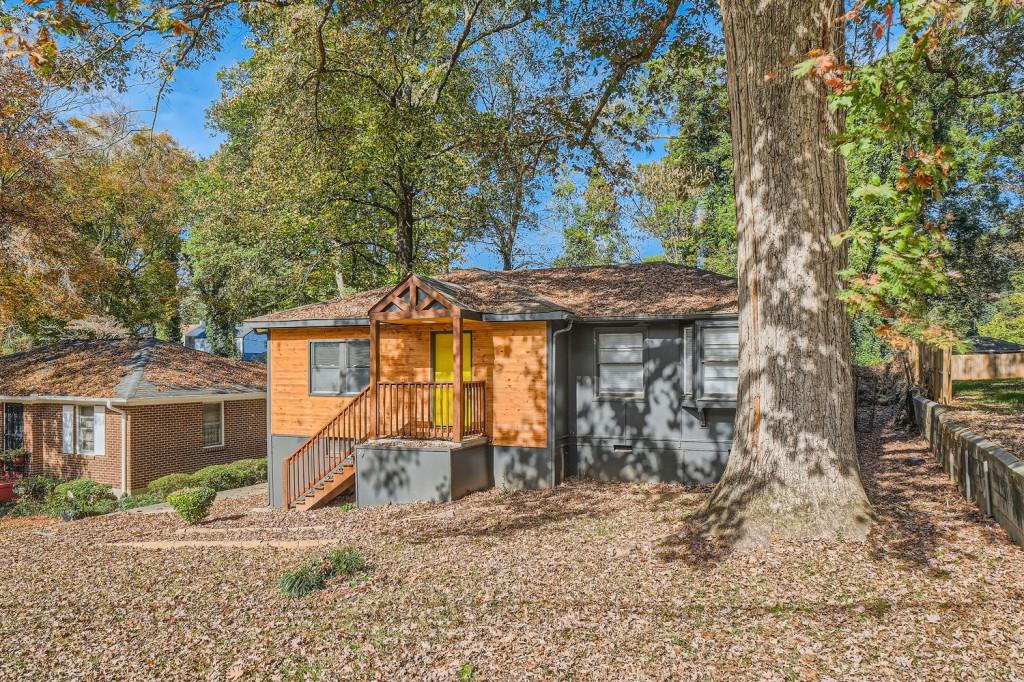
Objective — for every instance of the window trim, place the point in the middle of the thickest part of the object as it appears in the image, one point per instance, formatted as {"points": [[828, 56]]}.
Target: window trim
{"points": [[76, 451], [309, 367], [698, 359], [221, 443], [639, 396]]}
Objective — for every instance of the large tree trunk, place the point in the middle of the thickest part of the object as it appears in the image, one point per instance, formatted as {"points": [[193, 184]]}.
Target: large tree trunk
{"points": [[793, 470]]}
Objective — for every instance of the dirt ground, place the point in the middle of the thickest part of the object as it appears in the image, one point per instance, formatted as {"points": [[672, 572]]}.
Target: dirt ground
{"points": [[589, 581]]}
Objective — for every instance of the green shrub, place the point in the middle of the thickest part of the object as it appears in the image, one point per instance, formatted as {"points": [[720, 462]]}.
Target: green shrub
{"points": [[313, 574], [308, 577], [216, 476], [250, 471], [136, 501], [80, 498], [36, 488], [192, 504], [165, 485]]}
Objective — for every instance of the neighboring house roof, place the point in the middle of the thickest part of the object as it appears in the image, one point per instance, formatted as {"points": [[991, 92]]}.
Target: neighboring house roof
{"points": [[988, 344], [635, 290], [125, 369]]}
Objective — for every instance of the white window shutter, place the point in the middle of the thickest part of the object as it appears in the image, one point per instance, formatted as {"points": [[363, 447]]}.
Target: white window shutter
{"points": [[68, 429], [100, 430]]}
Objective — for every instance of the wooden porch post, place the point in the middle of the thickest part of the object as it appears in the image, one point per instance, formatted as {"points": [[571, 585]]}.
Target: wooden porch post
{"points": [[374, 375], [457, 380]]}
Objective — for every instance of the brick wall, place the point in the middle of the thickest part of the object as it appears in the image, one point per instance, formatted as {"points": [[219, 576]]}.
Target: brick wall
{"points": [[168, 439], [43, 438]]}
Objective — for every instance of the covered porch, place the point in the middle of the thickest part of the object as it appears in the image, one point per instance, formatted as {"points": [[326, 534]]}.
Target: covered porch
{"points": [[450, 405]]}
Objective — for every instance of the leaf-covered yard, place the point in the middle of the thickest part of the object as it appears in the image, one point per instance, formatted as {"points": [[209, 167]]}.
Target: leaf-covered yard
{"points": [[993, 409], [587, 581]]}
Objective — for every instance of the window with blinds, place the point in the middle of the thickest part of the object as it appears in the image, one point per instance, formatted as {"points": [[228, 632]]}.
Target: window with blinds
{"points": [[86, 430], [213, 424], [339, 367], [620, 364], [718, 363]]}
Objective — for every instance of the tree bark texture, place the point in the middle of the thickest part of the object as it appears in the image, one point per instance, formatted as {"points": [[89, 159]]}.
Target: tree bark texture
{"points": [[793, 469]]}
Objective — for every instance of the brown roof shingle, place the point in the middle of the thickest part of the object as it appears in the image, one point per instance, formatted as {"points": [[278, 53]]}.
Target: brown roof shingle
{"points": [[125, 369], [601, 291]]}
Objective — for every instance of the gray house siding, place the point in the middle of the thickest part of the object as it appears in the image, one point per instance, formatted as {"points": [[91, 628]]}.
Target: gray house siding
{"points": [[658, 437]]}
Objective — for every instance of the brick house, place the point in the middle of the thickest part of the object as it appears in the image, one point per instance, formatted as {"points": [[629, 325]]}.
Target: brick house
{"points": [[127, 411]]}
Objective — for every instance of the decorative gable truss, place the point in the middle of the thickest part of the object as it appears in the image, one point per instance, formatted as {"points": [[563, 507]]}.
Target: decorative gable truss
{"points": [[415, 299]]}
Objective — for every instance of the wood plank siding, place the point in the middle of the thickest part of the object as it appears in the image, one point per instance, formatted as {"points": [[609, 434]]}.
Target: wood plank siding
{"points": [[511, 357], [293, 411]]}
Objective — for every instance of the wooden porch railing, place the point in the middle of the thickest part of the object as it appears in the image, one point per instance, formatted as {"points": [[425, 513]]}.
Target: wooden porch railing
{"points": [[327, 449], [424, 410], [414, 410]]}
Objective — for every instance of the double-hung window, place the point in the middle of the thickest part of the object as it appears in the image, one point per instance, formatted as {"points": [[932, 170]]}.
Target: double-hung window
{"points": [[213, 425], [83, 430], [339, 367], [718, 362], [620, 364]]}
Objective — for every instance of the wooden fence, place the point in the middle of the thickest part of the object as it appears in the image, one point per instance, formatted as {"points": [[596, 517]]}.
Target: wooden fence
{"points": [[985, 473], [931, 368], [934, 369]]}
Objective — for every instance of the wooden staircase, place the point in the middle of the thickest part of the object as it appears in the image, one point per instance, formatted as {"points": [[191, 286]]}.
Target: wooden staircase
{"points": [[324, 467]]}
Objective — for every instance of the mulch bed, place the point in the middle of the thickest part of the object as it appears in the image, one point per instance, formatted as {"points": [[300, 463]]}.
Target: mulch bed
{"points": [[581, 582]]}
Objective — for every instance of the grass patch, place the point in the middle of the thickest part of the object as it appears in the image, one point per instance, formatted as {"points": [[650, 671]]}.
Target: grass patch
{"points": [[998, 394], [313, 574]]}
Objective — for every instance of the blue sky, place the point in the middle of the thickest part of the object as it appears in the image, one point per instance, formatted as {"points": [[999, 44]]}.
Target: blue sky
{"points": [[182, 113]]}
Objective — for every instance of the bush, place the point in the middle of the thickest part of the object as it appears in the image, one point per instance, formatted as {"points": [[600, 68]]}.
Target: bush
{"points": [[36, 488], [80, 498], [165, 485], [250, 471], [217, 476], [192, 504], [312, 575], [142, 500]]}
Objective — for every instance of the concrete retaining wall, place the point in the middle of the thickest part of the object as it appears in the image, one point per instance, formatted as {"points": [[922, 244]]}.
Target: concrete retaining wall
{"points": [[985, 473]]}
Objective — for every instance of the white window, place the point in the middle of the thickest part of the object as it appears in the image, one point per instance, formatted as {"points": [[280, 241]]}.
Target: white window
{"points": [[718, 363], [620, 363], [213, 425], [83, 430], [339, 367]]}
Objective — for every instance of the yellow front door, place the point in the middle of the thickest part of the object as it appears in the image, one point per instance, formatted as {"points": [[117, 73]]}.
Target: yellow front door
{"points": [[444, 371]]}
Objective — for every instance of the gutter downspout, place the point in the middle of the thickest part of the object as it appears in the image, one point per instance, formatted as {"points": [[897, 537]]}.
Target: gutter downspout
{"points": [[554, 378], [124, 446]]}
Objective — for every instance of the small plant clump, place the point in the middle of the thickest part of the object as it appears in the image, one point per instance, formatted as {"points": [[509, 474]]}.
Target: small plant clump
{"points": [[313, 574], [192, 504], [308, 577]]}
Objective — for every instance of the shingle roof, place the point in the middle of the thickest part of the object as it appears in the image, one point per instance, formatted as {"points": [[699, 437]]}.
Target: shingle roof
{"points": [[125, 369], [988, 344], [602, 291]]}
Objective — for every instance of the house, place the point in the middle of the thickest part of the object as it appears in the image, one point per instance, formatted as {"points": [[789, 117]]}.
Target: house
{"points": [[443, 385], [250, 344], [127, 411]]}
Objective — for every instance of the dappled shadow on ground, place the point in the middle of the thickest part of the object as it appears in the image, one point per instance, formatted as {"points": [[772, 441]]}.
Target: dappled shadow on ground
{"points": [[917, 507], [498, 514]]}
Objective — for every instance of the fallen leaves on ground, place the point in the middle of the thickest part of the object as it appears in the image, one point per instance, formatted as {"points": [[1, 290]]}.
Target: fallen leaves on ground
{"points": [[1004, 426], [578, 582]]}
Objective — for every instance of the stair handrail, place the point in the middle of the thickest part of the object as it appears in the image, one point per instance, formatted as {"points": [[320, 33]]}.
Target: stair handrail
{"points": [[356, 417]]}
